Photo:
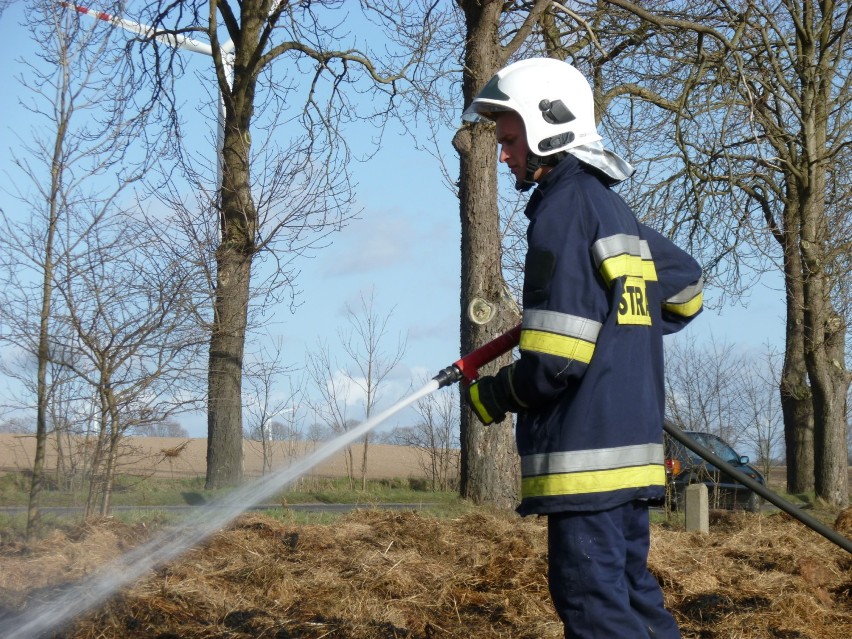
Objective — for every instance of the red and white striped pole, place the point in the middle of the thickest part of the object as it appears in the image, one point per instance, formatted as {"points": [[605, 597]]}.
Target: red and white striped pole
{"points": [[176, 41]]}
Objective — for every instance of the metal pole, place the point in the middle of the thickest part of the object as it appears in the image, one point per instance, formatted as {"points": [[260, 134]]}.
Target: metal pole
{"points": [[829, 533]]}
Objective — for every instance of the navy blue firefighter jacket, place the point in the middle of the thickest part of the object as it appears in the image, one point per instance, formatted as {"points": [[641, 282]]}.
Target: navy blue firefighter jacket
{"points": [[600, 291]]}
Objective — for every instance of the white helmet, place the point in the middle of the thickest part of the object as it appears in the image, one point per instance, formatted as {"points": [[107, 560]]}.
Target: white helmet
{"points": [[552, 97]]}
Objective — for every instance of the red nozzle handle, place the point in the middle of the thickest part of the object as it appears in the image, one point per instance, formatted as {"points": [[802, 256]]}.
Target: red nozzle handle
{"points": [[467, 368]]}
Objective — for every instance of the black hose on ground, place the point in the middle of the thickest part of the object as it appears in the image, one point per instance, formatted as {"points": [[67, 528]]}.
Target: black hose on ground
{"points": [[815, 525]]}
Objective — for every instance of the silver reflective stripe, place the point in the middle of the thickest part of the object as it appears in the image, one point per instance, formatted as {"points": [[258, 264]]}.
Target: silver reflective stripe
{"points": [[562, 324], [620, 244], [688, 293], [598, 459]]}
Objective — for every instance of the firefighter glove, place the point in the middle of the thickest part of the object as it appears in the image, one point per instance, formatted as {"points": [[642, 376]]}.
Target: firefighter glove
{"points": [[491, 397]]}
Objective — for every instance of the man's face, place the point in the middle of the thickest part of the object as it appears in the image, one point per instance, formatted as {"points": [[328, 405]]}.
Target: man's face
{"points": [[512, 138]]}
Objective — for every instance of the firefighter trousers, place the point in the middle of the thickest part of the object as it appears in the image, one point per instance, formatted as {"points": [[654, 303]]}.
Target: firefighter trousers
{"points": [[598, 575]]}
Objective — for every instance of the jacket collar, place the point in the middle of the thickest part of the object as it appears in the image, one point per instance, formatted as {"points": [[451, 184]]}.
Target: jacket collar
{"points": [[569, 165]]}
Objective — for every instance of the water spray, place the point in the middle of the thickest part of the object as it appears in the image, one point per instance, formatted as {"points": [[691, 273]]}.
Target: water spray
{"points": [[104, 584], [97, 589], [88, 594]]}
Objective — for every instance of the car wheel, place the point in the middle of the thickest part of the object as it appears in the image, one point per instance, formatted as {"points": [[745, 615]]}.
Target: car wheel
{"points": [[754, 503], [677, 496]]}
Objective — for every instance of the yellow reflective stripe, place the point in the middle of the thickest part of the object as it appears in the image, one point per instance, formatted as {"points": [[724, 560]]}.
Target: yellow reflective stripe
{"points": [[477, 404], [686, 309], [649, 271], [559, 345], [627, 265], [512, 387], [623, 255], [593, 481], [688, 302]]}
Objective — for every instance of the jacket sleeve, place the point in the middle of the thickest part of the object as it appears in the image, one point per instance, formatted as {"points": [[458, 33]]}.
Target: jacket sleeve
{"points": [[565, 301], [680, 280]]}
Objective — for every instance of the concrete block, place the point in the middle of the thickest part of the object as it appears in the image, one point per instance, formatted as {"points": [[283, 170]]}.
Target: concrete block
{"points": [[697, 508]]}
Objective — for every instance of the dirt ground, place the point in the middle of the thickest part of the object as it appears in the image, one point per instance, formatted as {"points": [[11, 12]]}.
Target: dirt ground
{"points": [[379, 575]]}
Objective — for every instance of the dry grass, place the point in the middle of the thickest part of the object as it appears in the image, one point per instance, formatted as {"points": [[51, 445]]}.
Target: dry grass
{"points": [[379, 575]]}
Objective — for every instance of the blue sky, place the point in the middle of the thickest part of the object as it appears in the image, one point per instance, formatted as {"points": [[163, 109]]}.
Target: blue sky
{"points": [[405, 246]]}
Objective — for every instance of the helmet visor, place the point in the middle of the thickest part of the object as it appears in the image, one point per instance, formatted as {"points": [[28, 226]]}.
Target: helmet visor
{"points": [[481, 111], [489, 100]]}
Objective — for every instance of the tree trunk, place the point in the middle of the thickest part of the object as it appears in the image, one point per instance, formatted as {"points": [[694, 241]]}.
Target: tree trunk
{"points": [[795, 390], [234, 257], [824, 356], [56, 172], [33, 512], [237, 247], [224, 402], [831, 452], [824, 329], [96, 472], [349, 463], [109, 471], [364, 461], [266, 442], [489, 466]]}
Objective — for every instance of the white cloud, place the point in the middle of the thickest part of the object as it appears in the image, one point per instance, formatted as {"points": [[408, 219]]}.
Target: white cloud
{"points": [[377, 242]]}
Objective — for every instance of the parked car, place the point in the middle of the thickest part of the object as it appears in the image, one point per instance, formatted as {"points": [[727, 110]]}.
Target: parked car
{"points": [[685, 467]]}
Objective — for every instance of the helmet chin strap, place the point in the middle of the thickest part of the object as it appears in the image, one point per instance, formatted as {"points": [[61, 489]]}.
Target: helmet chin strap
{"points": [[534, 163]]}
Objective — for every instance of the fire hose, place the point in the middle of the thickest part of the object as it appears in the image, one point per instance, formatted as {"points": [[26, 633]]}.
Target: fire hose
{"points": [[466, 370]]}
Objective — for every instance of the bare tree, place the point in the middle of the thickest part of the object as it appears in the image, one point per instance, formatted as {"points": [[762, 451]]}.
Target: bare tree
{"points": [[268, 401], [317, 432], [81, 142], [167, 428], [715, 387], [125, 330], [267, 199], [758, 98], [367, 364], [704, 387], [370, 362], [436, 436], [16, 426], [761, 407], [68, 414], [332, 403], [289, 429]]}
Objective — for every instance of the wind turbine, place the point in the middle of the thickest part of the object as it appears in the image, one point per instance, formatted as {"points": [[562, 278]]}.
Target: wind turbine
{"points": [[177, 41]]}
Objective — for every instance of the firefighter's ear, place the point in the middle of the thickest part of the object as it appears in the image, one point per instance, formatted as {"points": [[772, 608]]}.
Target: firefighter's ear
{"points": [[538, 271]]}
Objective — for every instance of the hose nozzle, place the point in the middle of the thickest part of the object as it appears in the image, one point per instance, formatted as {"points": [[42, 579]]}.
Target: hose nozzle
{"points": [[448, 376], [467, 368]]}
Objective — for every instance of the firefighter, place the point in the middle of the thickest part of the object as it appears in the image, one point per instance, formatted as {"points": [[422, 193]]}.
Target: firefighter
{"points": [[600, 290]]}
